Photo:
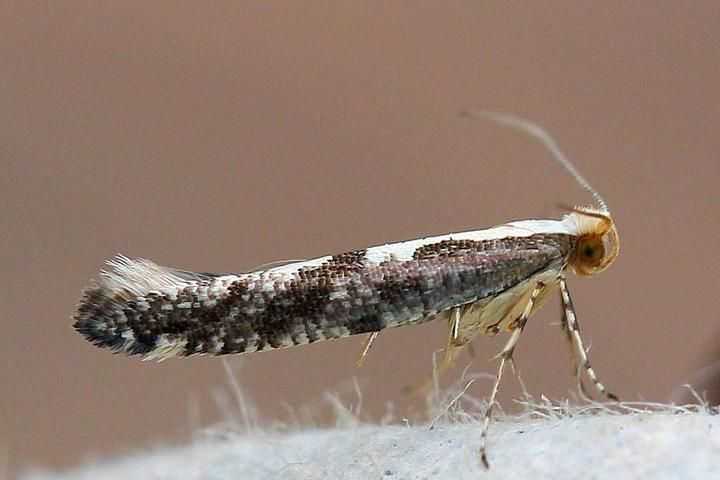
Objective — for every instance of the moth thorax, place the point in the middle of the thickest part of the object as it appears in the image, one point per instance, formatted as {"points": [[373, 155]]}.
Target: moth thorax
{"points": [[597, 242]]}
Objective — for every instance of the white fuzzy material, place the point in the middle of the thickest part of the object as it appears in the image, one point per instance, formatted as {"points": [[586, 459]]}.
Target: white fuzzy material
{"points": [[670, 443]]}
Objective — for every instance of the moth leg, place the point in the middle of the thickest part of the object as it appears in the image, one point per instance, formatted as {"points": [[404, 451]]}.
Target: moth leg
{"points": [[454, 345], [366, 348], [516, 372], [571, 327], [506, 355], [453, 349], [576, 366], [454, 333]]}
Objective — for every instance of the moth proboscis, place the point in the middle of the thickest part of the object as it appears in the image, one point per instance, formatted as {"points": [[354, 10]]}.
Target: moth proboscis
{"points": [[481, 282]]}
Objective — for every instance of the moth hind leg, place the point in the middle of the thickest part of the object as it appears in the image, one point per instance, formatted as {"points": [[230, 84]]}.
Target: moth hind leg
{"points": [[454, 348], [369, 340], [454, 343]]}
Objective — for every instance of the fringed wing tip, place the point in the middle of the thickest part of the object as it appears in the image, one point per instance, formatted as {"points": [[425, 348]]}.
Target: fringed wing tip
{"points": [[123, 278], [101, 314]]}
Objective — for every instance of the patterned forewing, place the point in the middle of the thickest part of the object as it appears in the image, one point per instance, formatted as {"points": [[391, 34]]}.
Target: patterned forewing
{"points": [[346, 295]]}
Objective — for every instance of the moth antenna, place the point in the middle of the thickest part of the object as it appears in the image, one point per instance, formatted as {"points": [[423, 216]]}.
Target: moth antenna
{"points": [[535, 130]]}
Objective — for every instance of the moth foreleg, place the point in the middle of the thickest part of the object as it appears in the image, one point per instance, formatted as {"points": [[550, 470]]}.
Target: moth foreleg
{"points": [[576, 367], [366, 348], [572, 330], [506, 355]]}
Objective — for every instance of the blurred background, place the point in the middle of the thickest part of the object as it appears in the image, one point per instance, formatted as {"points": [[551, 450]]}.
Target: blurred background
{"points": [[220, 136]]}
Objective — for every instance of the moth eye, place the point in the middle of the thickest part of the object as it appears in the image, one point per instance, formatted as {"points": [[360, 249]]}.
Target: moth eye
{"points": [[590, 253], [594, 249]]}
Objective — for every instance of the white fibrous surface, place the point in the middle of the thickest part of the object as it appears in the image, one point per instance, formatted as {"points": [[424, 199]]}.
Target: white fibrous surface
{"points": [[631, 441]]}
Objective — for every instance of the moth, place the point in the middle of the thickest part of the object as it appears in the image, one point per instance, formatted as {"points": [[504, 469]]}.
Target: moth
{"points": [[479, 282]]}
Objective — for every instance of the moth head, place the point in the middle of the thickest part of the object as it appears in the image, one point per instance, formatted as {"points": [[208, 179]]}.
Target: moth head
{"points": [[597, 243], [597, 240]]}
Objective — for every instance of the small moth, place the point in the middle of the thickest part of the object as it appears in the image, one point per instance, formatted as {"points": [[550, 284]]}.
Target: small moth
{"points": [[480, 282]]}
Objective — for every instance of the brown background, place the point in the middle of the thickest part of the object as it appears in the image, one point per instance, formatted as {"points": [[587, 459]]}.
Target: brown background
{"points": [[221, 137]]}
